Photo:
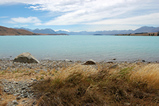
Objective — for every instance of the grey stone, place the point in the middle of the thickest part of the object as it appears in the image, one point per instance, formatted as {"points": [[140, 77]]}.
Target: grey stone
{"points": [[25, 95], [16, 94], [18, 98], [15, 102], [34, 80], [114, 66], [67, 60], [6, 90], [25, 58], [89, 62], [127, 104], [24, 101], [34, 103], [23, 88]]}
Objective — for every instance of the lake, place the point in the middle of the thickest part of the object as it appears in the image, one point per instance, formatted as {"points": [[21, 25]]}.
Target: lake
{"points": [[82, 47]]}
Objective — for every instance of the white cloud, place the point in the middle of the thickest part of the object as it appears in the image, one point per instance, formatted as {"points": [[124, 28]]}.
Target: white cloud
{"points": [[82, 11], [150, 19], [34, 20], [82, 16]]}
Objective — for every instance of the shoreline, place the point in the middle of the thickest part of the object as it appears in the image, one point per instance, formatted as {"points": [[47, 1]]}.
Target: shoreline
{"points": [[114, 60], [45, 65]]}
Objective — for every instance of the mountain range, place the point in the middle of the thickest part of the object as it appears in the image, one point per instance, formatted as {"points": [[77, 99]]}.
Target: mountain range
{"points": [[144, 29], [24, 31], [27, 31]]}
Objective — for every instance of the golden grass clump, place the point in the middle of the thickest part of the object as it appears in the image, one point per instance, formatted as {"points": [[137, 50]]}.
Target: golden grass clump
{"points": [[148, 76], [83, 69]]}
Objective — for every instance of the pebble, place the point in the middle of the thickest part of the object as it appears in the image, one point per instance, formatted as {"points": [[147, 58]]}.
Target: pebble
{"points": [[114, 66], [18, 98], [15, 102], [127, 104]]}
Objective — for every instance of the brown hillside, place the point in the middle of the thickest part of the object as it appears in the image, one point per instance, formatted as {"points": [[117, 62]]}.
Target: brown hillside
{"points": [[11, 31]]}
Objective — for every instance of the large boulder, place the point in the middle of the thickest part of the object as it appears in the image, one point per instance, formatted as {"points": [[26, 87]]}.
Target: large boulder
{"points": [[89, 62], [25, 58]]}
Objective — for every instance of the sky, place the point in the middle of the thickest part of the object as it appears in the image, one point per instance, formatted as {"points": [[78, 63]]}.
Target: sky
{"points": [[79, 15]]}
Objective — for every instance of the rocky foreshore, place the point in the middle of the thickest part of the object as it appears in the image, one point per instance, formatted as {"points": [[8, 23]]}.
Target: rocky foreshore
{"points": [[16, 78], [20, 87]]}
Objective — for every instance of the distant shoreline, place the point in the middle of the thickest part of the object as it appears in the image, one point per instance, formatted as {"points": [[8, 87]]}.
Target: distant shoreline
{"points": [[140, 34]]}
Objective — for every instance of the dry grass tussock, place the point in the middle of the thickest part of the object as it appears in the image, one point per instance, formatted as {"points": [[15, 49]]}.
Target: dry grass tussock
{"points": [[98, 85], [148, 76]]}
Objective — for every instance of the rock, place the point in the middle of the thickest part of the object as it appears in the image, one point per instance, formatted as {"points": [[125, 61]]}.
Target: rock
{"points": [[23, 88], [114, 59], [18, 98], [24, 101], [6, 90], [15, 102], [25, 58], [114, 66], [89, 62], [34, 103], [67, 60], [109, 62], [24, 95], [127, 104], [34, 80]]}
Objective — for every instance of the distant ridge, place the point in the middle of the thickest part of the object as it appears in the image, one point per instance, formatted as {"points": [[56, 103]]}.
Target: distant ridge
{"points": [[11, 31]]}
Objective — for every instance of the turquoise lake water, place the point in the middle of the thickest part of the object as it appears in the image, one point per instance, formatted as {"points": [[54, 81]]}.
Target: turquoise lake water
{"points": [[84, 47]]}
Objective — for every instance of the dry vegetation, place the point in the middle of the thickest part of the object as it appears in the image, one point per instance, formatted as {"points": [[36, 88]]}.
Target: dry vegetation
{"points": [[85, 85], [104, 84]]}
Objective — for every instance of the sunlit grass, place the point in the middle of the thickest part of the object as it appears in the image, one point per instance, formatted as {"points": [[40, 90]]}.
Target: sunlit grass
{"points": [[148, 76], [82, 85]]}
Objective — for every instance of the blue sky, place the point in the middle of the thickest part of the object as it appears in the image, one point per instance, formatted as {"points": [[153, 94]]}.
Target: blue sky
{"points": [[79, 15]]}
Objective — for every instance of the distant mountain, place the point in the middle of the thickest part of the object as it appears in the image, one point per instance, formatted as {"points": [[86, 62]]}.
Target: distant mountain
{"points": [[44, 31], [62, 31], [11, 31], [144, 29]]}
